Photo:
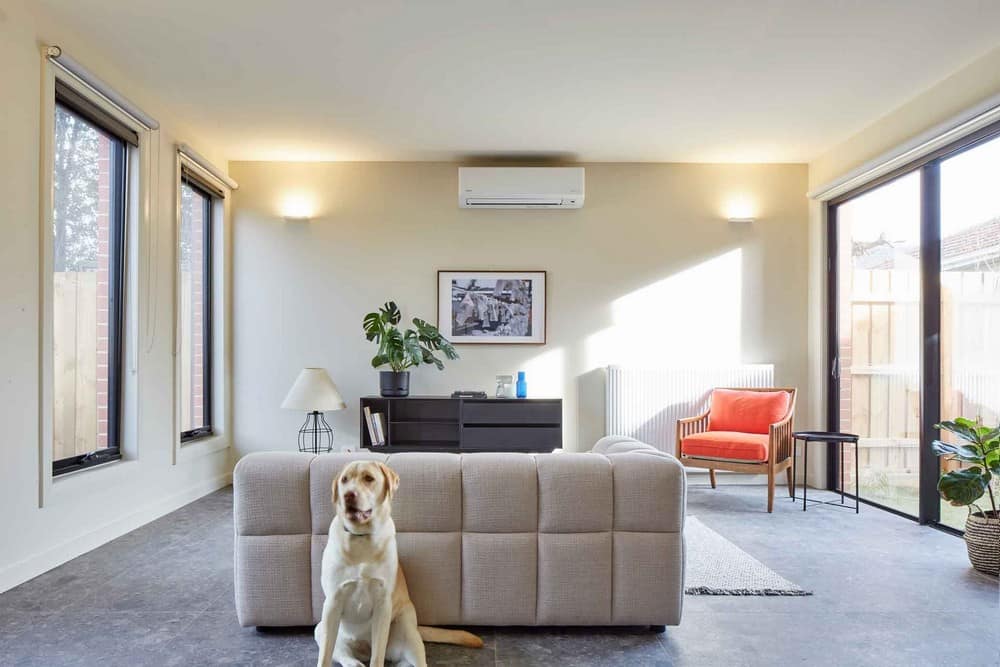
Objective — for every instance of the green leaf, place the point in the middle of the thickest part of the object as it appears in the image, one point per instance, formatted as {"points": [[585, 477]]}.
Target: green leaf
{"points": [[431, 359], [968, 453], [411, 344], [963, 487], [373, 326], [992, 461], [963, 428], [390, 312], [379, 360]]}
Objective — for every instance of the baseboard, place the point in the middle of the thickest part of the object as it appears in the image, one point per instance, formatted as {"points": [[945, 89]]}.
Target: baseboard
{"points": [[29, 568]]}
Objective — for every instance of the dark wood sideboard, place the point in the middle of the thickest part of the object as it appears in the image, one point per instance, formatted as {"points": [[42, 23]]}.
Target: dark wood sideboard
{"points": [[445, 424]]}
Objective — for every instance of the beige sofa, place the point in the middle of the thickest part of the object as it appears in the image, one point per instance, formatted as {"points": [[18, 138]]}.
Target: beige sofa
{"points": [[485, 539]]}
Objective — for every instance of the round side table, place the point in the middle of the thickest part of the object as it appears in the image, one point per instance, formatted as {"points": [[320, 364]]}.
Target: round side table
{"points": [[825, 437]]}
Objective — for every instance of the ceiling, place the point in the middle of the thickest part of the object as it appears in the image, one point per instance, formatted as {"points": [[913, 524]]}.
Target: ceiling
{"points": [[615, 80]]}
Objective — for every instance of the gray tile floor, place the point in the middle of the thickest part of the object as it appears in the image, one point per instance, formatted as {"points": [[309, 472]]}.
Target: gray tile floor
{"points": [[887, 592]]}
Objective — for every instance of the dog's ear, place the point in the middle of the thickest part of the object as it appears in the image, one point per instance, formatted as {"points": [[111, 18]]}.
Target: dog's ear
{"points": [[391, 480], [335, 490]]}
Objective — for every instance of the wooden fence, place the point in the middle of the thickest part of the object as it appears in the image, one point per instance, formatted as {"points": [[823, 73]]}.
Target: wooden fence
{"points": [[75, 383], [80, 362], [880, 361]]}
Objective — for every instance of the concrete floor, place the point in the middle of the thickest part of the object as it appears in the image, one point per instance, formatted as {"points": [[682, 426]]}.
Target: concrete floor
{"points": [[887, 592]]}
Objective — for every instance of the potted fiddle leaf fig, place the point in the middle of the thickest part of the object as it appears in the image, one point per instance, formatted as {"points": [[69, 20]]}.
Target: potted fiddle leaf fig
{"points": [[402, 350], [980, 451]]}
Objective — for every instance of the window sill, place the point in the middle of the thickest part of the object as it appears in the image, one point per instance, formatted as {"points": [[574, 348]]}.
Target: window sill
{"points": [[202, 446], [73, 473]]}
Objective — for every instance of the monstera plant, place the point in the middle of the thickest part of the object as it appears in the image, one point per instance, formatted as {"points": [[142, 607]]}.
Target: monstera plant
{"points": [[979, 449], [402, 350]]}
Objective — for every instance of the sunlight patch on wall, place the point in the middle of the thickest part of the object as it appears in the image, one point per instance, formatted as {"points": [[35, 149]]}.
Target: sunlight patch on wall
{"points": [[545, 374], [691, 317]]}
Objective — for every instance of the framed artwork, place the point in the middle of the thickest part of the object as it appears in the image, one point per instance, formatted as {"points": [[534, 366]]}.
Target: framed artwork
{"points": [[492, 307]]}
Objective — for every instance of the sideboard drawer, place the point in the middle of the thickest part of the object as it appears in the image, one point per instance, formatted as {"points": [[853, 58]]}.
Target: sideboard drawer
{"points": [[511, 438], [512, 411]]}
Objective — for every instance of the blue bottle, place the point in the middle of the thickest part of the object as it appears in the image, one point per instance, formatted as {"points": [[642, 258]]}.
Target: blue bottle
{"points": [[522, 385]]}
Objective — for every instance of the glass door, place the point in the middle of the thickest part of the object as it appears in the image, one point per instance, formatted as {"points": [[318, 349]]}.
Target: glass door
{"points": [[877, 377], [970, 293]]}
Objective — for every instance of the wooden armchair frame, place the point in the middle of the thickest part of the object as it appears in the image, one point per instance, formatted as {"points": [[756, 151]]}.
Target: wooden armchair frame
{"points": [[779, 447]]}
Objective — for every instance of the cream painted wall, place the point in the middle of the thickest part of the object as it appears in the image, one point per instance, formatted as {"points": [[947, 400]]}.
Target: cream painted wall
{"points": [[88, 508], [649, 271]]}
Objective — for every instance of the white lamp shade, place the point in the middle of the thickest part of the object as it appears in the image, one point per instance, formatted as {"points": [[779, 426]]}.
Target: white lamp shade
{"points": [[313, 391]]}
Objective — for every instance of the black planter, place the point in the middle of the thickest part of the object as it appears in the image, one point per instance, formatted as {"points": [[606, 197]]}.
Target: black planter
{"points": [[392, 383]]}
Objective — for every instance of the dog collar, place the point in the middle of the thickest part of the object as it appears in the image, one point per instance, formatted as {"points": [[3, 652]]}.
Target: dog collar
{"points": [[352, 534]]}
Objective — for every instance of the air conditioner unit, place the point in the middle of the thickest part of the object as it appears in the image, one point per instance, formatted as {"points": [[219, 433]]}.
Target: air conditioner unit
{"points": [[520, 187]]}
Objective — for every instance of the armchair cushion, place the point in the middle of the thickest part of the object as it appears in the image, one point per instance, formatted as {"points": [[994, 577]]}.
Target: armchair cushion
{"points": [[746, 411], [730, 445]]}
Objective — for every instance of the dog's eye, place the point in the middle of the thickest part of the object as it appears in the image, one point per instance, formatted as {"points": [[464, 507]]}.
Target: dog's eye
{"points": [[369, 478], [344, 479]]}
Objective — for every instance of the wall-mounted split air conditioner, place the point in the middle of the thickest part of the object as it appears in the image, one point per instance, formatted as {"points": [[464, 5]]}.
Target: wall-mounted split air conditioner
{"points": [[520, 187]]}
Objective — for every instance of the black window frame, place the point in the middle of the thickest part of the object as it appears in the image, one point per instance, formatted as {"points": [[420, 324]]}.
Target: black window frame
{"points": [[929, 167], [117, 243], [210, 198]]}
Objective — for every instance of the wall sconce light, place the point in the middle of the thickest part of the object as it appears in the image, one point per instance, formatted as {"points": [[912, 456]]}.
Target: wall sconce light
{"points": [[740, 209], [297, 208]]}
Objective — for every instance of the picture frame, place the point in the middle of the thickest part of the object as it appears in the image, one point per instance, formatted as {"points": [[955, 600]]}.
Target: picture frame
{"points": [[492, 307]]}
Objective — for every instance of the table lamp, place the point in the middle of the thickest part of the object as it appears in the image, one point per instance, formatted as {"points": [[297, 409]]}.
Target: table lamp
{"points": [[314, 393]]}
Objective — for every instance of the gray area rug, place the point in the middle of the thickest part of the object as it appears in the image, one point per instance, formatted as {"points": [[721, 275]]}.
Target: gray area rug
{"points": [[716, 566]]}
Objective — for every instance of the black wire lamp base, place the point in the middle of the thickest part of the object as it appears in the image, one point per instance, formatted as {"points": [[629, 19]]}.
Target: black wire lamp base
{"points": [[315, 436]]}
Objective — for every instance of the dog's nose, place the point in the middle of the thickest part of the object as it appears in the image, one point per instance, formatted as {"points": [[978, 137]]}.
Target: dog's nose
{"points": [[350, 496]]}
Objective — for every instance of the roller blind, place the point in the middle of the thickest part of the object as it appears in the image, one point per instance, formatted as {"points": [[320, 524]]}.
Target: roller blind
{"points": [[194, 177], [67, 97]]}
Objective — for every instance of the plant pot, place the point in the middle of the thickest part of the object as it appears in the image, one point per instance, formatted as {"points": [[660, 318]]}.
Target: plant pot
{"points": [[394, 383], [982, 537]]}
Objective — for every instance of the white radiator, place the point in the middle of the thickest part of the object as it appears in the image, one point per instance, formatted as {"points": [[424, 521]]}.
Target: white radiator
{"points": [[645, 404]]}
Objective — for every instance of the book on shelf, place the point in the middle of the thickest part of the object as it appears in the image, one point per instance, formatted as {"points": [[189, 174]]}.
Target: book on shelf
{"points": [[376, 427], [370, 423], [378, 421]]}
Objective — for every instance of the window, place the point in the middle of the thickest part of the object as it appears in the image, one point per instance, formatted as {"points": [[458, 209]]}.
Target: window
{"points": [[914, 290], [90, 194], [195, 308]]}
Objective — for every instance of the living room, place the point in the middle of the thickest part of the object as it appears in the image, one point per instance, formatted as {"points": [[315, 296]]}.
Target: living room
{"points": [[225, 220]]}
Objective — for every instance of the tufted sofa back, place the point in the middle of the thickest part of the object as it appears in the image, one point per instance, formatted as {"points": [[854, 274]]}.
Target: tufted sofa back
{"points": [[484, 539]]}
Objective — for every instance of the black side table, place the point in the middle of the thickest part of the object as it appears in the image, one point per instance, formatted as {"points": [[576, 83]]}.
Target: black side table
{"points": [[825, 437]]}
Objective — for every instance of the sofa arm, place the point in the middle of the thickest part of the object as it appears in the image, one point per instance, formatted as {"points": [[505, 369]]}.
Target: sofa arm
{"points": [[620, 444], [273, 543]]}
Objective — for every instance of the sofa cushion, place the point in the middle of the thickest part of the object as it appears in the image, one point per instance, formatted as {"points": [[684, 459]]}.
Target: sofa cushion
{"points": [[574, 493], [726, 445], [746, 411], [429, 498], [499, 493]]}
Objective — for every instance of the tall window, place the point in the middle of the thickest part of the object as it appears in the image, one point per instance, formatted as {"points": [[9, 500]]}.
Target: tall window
{"points": [[195, 311], [90, 183], [915, 288]]}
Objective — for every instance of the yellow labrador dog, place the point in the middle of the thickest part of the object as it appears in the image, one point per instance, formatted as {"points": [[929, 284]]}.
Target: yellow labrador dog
{"points": [[367, 614]]}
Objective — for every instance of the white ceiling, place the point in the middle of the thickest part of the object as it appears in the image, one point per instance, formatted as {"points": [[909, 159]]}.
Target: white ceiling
{"points": [[616, 80]]}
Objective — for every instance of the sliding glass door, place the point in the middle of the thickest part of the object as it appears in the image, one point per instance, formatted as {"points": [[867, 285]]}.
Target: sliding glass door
{"points": [[970, 292], [914, 337], [878, 339]]}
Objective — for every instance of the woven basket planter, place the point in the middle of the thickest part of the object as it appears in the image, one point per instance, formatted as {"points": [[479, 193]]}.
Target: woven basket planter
{"points": [[982, 537]]}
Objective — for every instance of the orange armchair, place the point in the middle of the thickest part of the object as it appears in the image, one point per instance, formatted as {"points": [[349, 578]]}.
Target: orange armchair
{"points": [[745, 430]]}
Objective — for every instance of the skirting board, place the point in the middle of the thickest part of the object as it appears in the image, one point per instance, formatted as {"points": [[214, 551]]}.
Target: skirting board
{"points": [[29, 568]]}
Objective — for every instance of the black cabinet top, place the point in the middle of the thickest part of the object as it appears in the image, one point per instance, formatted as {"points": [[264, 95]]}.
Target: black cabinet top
{"points": [[449, 398]]}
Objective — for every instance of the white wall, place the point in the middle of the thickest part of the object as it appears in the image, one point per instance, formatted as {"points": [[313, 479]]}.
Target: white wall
{"points": [[88, 508], [648, 272]]}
